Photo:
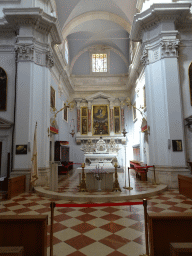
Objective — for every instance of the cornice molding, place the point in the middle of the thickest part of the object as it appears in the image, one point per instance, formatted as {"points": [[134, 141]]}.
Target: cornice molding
{"points": [[156, 14], [35, 17]]}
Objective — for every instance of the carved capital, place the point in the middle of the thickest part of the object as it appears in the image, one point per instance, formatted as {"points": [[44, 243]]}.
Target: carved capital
{"points": [[144, 57], [169, 48], [49, 60], [25, 52]]}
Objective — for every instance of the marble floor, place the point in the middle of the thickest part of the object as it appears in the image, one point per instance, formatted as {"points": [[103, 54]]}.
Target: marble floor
{"points": [[100, 231]]}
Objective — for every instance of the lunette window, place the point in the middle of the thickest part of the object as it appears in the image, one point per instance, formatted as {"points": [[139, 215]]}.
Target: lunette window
{"points": [[99, 62]]}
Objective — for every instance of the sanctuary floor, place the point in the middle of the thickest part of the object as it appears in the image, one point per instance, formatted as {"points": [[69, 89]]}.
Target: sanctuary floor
{"points": [[101, 231]]}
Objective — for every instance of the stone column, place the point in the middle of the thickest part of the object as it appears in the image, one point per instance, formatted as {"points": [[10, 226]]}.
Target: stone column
{"points": [[89, 118], [163, 95], [33, 101]]}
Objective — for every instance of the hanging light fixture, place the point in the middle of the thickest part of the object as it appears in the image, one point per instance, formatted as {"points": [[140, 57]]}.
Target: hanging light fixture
{"points": [[72, 129]]}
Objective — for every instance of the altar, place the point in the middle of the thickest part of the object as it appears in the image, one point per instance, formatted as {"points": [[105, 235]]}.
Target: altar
{"points": [[99, 159], [100, 154]]}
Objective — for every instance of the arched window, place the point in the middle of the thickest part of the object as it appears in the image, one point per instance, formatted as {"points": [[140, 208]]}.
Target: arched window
{"points": [[3, 90], [190, 81], [66, 51]]}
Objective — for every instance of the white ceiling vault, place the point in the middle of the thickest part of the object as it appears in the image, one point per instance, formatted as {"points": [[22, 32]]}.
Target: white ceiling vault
{"points": [[87, 23]]}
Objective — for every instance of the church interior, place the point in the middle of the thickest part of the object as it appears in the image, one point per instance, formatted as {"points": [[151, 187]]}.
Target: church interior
{"points": [[96, 108]]}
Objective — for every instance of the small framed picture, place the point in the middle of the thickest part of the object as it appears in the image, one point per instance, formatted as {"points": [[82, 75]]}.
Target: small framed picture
{"points": [[52, 98], [65, 113], [21, 149], [177, 145]]}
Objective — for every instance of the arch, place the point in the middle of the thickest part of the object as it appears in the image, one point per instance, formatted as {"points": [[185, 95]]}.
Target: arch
{"points": [[3, 90], [95, 16], [190, 81], [87, 49]]}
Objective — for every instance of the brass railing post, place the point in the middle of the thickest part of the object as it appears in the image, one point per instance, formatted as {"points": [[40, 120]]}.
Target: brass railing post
{"points": [[83, 187], [116, 186]]}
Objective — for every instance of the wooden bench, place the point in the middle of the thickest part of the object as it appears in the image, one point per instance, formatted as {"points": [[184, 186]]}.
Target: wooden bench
{"points": [[29, 231], [65, 167], [166, 228], [141, 171], [180, 249], [185, 185], [16, 186], [12, 251]]}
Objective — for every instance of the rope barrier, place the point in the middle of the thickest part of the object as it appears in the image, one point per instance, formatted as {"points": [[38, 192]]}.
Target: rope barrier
{"points": [[98, 205], [144, 203]]}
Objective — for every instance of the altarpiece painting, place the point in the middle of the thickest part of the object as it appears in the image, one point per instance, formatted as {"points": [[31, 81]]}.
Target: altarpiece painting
{"points": [[100, 119]]}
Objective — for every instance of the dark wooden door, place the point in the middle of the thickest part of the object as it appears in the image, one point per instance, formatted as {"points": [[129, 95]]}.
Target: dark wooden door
{"points": [[0, 155]]}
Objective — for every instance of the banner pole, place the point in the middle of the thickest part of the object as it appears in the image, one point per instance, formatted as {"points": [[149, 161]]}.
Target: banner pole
{"points": [[52, 205]]}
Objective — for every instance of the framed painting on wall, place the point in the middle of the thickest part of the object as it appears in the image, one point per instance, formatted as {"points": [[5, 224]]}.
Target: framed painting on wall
{"points": [[100, 114], [65, 113], [117, 120], [84, 121], [52, 98]]}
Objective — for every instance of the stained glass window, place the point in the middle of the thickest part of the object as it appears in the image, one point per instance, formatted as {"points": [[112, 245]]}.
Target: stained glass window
{"points": [[99, 62], [66, 51]]}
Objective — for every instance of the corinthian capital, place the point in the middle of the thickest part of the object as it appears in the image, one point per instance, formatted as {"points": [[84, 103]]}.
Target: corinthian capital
{"points": [[169, 48], [25, 52], [144, 57]]}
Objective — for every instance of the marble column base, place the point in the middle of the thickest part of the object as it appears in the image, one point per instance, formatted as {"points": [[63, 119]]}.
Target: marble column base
{"points": [[167, 175], [44, 175], [53, 184]]}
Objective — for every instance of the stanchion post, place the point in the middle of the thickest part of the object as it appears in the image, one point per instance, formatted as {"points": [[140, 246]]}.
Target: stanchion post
{"points": [[146, 227], [52, 205], [116, 186], [129, 188], [83, 187]]}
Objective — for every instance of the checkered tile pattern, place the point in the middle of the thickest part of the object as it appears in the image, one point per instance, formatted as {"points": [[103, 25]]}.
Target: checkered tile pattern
{"points": [[102, 231]]}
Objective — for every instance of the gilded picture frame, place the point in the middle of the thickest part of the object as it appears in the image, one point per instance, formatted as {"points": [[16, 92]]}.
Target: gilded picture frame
{"points": [[100, 120]]}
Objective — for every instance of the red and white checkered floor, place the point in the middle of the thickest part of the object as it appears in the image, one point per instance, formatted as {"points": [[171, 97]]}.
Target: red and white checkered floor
{"points": [[102, 231]]}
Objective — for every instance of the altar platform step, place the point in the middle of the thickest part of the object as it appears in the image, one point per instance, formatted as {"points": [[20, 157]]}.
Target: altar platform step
{"points": [[68, 190]]}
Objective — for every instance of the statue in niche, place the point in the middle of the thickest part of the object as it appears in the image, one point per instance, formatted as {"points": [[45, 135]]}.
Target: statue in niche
{"points": [[3, 90]]}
